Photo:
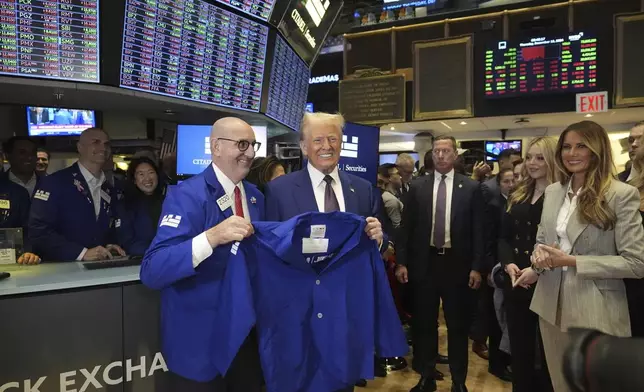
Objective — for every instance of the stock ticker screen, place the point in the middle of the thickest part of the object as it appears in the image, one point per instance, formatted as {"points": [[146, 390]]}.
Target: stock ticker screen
{"points": [[288, 86], [52, 39], [258, 8], [541, 65], [193, 50]]}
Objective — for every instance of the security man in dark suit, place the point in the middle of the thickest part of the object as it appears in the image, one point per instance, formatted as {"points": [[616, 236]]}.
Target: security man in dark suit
{"points": [[440, 251]]}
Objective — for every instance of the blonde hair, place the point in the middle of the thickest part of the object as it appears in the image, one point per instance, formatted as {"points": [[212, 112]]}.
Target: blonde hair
{"points": [[312, 119], [592, 206], [638, 166], [527, 184]]}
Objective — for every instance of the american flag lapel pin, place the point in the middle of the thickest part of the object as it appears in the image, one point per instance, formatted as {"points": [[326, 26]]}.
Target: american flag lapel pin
{"points": [[460, 185], [253, 200]]}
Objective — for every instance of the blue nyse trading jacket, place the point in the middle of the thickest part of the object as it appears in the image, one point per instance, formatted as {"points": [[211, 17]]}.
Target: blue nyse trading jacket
{"points": [[14, 204], [189, 296], [62, 220], [322, 300]]}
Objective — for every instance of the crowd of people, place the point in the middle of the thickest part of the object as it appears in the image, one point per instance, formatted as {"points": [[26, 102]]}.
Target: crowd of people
{"points": [[553, 240]]}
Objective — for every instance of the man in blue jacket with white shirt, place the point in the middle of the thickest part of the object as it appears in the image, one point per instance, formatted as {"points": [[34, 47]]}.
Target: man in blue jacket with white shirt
{"points": [[187, 261], [73, 211]]}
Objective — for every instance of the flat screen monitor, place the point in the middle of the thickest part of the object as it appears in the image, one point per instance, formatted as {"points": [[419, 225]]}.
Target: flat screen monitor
{"points": [[54, 39], [494, 148], [359, 152], [309, 107], [46, 121], [391, 157], [258, 8], [193, 50], [288, 86], [306, 23], [193, 147], [541, 65]]}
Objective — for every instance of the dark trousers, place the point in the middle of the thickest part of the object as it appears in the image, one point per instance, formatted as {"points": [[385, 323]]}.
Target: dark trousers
{"points": [[479, 315], [529, 370], [498, 360], [446, 280], [635, 297], [244, 375]]}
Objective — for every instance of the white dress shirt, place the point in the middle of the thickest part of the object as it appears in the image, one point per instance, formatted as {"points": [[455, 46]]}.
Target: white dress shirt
{"points": [[29, 185], [94, 190], [568, 208], [319, 186], [201, 248], [449, 185]]}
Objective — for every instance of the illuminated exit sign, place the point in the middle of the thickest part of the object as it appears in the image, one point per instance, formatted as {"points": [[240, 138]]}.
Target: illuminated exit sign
{"points": [[596, 102]]}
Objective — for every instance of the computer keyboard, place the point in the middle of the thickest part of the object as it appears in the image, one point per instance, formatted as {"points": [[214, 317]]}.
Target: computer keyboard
{"points": [[126, 261]]}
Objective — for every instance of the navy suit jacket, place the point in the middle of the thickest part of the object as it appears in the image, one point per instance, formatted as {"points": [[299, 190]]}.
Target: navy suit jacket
{"points": [[292, 195]]}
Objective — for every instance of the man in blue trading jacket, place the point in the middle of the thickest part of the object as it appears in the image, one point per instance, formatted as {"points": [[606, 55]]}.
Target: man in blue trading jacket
{"points": [[187, 261], [321, 187], [316, 332], [73, 210], [14, 213]]}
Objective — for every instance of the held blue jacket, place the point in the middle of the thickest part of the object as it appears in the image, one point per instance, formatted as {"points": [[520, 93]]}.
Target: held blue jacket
{"points": [[192, 299], [62, 220], [323, 305]]}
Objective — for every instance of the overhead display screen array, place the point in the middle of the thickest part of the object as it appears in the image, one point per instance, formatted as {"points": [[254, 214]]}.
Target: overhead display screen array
{"points": [[258, 8], [541, 65], [193, 50], [288, 86], [52, 39], [306, 23]]}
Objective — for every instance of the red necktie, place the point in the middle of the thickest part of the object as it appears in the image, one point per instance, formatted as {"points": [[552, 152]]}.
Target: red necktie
{"points": [[239, 207]]}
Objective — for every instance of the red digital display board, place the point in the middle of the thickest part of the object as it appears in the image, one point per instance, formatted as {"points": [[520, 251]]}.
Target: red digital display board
{"points": [[541, 65]]}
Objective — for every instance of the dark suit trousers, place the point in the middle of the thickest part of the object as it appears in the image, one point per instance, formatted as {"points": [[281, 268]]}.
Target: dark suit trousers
{"points": [[447, 280], [635, 297], [529, 370], [498, 360], [244, 375]]}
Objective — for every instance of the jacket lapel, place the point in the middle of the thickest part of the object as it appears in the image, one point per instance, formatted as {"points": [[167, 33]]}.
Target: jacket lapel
{"points": [[304, 196], [457, 193], [251, 201], [81, 186], [217, 192], [429, 191], [350, 197]]}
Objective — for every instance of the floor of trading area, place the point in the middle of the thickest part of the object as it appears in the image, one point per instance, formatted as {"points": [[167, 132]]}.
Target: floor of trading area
{"points": [[478, 379]]}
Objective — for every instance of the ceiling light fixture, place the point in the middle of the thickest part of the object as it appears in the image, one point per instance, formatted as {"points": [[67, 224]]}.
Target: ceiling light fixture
{"points": [[463, 123], [588, 115], [393, 128]]}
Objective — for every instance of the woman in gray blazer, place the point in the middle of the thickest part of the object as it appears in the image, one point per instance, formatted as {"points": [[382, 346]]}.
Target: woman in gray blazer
{"points": [[590, 238]]}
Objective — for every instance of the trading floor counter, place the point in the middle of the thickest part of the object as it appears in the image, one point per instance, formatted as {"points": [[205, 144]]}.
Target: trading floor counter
{"points": [[65, 328]]}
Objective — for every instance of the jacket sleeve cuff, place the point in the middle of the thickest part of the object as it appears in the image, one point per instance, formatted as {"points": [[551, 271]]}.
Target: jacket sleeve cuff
{"points": [[201, 249], [81, 255]]}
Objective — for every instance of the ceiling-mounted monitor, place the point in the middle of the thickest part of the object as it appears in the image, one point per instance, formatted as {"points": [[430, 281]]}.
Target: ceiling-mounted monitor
{"points": [[494, 147], [258, 8], [49, 121], [55, 39], [306, 23], [541, 65], [193, 50]]}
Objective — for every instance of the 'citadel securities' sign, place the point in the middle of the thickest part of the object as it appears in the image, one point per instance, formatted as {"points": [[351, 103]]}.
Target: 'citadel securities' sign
{"points": [[374, 100], [97, 377]]}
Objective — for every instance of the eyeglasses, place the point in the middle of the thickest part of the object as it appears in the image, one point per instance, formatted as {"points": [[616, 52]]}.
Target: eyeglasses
{"points": [[243, 145]]}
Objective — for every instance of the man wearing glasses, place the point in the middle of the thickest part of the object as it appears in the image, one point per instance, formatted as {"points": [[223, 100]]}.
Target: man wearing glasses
{"points": [[202, 217]]}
